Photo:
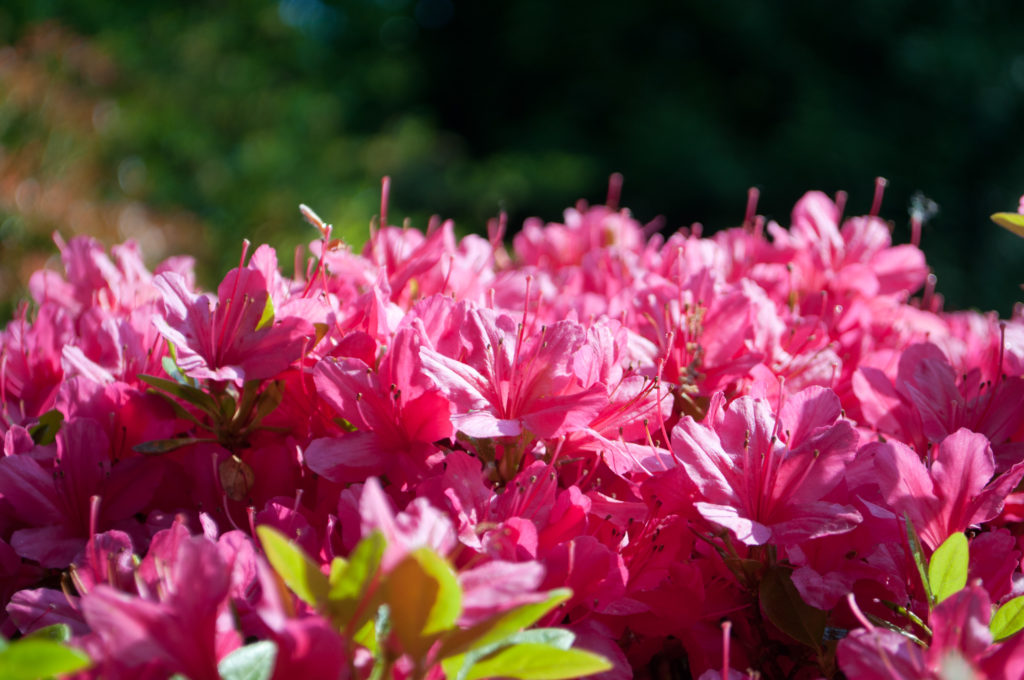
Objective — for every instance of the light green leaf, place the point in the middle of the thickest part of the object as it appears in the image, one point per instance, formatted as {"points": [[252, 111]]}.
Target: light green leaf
{"points": [[267, 317], [58, 632], [171, 369], [32, 658], [378, 629], [351, 583], [536, 661], [366, 636], [424, 599], [501, 626], [554, 637], [1008, 619], [458, 667], [337, 571], [296, 569], [1012, 221], [45, 431], [349, 579], [947, 570], [251, 662]]}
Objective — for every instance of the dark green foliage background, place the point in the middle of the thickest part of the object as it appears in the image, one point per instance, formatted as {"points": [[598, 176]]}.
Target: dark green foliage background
{"points": [[239, 111]]}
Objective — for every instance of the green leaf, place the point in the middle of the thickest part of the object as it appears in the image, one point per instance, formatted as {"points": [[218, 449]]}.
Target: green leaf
{"points": [[156, 447], [267, 317], [553, 637], [171, 369], [918, 554], [1012, 221], [366, 636], [58, 632], [500, 626], [424, 599], [187, 393], [907, 614], [45, 431], [947, 570], [251, 662], [889, 625], [31, 658], [1008, 619], [378, 629], [337, 571], [784, 607], [458, 667], [351, 583], [295, 568], [536, 661]]}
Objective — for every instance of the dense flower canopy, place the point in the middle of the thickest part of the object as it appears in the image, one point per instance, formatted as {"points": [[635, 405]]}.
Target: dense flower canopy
{"points": [[764, 428]]}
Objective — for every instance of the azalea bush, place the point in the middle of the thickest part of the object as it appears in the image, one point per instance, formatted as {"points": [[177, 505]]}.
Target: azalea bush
{"points": [[594, 450]]}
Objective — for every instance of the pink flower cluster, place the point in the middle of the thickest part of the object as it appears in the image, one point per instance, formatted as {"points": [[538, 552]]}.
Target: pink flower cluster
{"points": [[755, 428]]}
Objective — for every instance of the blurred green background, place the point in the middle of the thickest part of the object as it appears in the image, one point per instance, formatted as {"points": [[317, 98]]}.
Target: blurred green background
{"points": [[191, 125]]}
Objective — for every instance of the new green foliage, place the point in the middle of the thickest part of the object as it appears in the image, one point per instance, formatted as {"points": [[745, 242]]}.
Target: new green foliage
{"points": [[947, 570], [416, 606], [251, 662]]}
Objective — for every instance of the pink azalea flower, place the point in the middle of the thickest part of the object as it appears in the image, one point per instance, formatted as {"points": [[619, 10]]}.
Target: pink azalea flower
{"points": [[30, 366], [870, 557], [34, 608], [396, 413], [704, 330], [586, 230], [952, 492], [488, 588], [184, 626], [110, 348], [224, 340], [766, 478], [856, 258], [595, 410], [505, 383], [128, 415], [94, 280], [107, 558], [51, 500], [15, 575], [959, 644], [927, 382], [419, 525]]}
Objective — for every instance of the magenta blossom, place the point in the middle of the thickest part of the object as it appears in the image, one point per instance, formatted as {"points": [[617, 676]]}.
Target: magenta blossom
{"points": [[50, 499], [952, 493], [229, 339], [183, 626], [766, 477], [506, 383]]}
